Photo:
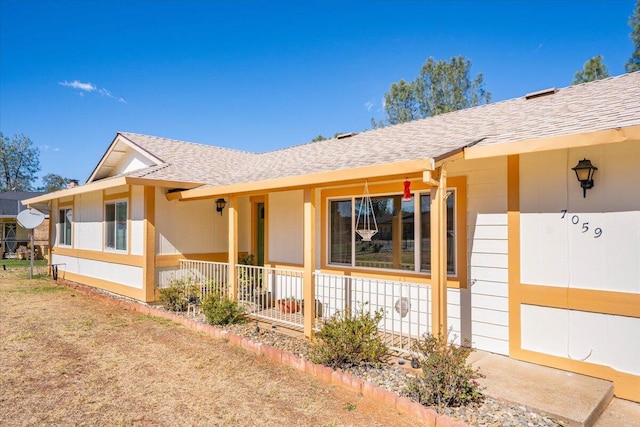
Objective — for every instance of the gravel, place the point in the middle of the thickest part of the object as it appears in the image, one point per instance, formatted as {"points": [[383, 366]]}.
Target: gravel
{"points": [[489, 412]]}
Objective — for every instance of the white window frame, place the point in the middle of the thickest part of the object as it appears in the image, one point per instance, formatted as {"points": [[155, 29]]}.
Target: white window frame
{"points": [[65, 217], [115, 226]]}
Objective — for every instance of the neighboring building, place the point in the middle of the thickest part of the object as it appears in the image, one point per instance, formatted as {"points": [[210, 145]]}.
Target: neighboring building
{"points": [[15, 239], [499, 240]]}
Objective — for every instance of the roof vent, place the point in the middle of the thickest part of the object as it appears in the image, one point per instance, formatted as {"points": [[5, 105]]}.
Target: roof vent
{"points": [[346, 135], [540, 93]]}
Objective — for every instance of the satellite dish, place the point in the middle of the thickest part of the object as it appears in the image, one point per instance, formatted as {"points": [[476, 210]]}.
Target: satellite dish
{"points": [[30, 218]]}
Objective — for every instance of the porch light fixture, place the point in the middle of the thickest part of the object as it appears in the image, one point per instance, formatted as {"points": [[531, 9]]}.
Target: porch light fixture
{"points": [[220, 204], [584, 172]]}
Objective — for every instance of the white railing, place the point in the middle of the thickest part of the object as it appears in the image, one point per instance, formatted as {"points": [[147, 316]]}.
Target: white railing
{"points": [[271, 294], [275, 295], [404, 306], [208, 276]]}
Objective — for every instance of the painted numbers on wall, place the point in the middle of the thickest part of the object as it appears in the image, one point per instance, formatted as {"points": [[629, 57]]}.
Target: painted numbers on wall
{"points": [[585, 227]]}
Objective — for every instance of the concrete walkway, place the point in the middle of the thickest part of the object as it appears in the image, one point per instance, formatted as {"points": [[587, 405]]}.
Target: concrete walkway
{"points": [[576, 399]]}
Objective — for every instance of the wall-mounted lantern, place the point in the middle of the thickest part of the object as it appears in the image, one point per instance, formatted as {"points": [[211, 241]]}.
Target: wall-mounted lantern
{"points": [[220, 204], [584, 172]]}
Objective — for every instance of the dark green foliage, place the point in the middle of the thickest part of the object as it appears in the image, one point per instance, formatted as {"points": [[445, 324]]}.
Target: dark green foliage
{"points": [[176, 296], [53, 182], [220, 310], [19, 163], [447, 379], [594, 69], [634, 22], [439, 88], [348, 340]]}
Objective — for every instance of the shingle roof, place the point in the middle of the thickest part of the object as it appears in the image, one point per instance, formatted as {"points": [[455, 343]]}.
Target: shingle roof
{"points": [[10, 201], [604, 104]]}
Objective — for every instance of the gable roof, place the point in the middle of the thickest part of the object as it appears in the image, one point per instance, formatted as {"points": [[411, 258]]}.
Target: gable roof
{"points": [[603, 105]]}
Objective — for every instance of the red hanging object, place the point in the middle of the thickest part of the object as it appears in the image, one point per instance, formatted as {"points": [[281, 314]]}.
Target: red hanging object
{"points": [[407, 191]]}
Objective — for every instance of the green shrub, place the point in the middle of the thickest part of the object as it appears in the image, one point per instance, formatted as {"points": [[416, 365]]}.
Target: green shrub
{"points": [[175, 297], [447, 379], [220, 310], [348, 340]]}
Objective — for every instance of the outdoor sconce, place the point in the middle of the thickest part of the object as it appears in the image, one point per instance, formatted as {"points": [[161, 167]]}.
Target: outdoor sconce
{"points": [[584, 171], [220, 204]]}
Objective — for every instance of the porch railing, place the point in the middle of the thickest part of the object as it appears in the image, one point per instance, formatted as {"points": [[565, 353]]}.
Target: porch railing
{"points": [[208, 276], [275, 295], [404, 306], [271, 294]]}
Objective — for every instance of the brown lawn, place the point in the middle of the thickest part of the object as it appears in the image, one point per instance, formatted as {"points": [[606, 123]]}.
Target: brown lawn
{"points": [[70, 359]]}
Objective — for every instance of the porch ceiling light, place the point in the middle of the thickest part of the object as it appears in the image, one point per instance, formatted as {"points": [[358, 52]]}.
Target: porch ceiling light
{"points": [[584, 172], [220, 204]]}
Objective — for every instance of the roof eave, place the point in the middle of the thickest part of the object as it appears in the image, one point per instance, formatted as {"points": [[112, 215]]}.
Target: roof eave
{"points": [[109, 183], [314, 179], [583, 139]]}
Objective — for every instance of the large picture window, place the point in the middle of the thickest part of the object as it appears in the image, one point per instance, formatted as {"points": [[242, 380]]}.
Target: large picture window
{"points": [[64, 230], [403, 240], [115, 223]]}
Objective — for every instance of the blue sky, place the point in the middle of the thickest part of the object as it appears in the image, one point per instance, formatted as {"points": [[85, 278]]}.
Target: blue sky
{"points": [[262, 75]]}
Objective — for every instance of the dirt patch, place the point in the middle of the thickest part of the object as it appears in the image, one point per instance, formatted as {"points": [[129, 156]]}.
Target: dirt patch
{"points": [[70, 359]]}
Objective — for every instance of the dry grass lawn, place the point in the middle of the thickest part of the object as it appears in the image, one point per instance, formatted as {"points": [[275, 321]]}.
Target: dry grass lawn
{"points": [[70, 359]]}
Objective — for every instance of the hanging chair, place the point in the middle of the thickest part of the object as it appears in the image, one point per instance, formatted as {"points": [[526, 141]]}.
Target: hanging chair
{"points": [[366, 225]]}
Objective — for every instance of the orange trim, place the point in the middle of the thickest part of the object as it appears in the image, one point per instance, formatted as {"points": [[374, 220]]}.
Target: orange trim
{"points": [[103, 284], [112, 257], [172, 260], [513, 227], [595, 301], [149, 248]]}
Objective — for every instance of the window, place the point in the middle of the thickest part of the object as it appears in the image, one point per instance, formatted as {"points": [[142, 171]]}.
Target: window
{"points": [[115, 223], [403, 238], [64, 231], [425, 233]]}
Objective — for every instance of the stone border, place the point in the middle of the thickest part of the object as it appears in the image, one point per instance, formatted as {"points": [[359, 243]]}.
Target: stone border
{"points": [[325, 374]]}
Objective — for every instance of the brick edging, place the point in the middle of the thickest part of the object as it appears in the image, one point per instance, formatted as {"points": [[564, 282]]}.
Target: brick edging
{"points": [[322, 373]]}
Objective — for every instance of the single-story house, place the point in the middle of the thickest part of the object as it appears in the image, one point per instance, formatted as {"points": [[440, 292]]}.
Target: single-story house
{"points": [[515, 224], [14, 239]]}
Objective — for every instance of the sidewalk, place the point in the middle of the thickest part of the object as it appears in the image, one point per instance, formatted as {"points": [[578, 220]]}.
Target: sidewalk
{"points": [[576, 399]]}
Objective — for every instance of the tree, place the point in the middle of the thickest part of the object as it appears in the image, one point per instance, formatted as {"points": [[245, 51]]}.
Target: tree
{"points": [[594, 69], [320, 137], [400, 102], [53, 182], [19, 163], [440, 87], [634, 22]]}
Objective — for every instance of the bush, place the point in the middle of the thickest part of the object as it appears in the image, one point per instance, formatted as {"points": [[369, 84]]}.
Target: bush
{"points": [[176, 296], [220, 310], [447, 379], [348, 340]]}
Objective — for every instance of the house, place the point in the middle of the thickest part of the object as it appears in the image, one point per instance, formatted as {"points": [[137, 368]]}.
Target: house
{"points": [[498, 241], [15, 239]]}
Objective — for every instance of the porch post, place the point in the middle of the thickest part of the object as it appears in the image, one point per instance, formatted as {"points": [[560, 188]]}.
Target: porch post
{"points": [[233, 246], [149, 244], [308, 284], [439, 255]]}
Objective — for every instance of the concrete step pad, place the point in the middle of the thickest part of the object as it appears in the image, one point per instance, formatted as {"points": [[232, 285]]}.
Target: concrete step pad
{"points": [[620, 413], [576, 399]]}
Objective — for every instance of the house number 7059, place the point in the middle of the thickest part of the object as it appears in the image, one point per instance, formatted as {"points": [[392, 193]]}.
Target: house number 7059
{"points": [[575, 220]]}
